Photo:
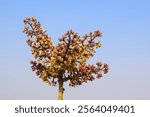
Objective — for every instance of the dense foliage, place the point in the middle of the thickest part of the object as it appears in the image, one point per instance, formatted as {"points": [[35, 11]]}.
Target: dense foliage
{"points": [[67, 60]]}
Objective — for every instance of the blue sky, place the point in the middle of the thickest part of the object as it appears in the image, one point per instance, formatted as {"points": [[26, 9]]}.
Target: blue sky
{"points": [[125, 25]]}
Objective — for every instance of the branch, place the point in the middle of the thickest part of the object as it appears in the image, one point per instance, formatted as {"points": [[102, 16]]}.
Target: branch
{"points": [[31, 26]]}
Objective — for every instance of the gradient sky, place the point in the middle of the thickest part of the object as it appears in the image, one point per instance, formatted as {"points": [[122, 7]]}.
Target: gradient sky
{"points": [[125, 25]]}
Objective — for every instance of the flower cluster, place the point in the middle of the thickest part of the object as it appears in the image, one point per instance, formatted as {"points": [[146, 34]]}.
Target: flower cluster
{"points": [[67, 60]]}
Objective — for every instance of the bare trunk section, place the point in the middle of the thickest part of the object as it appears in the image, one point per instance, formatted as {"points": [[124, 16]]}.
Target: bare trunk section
{"points": [[60, 90]]}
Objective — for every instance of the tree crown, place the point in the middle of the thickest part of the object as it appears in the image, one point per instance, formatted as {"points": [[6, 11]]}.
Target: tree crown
{"points": [[67, 60]]}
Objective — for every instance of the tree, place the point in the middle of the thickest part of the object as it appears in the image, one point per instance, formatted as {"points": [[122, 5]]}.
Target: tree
{"points": [[66, 61]]}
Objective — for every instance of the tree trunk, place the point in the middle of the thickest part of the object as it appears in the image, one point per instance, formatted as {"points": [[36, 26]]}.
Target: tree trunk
{"points": [[60, 90]]}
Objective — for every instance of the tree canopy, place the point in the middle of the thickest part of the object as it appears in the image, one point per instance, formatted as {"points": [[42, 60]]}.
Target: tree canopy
{"points": [[66, 61]]}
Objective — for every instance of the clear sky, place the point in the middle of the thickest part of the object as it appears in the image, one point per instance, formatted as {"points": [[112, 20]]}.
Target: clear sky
{"points": [[125, 25]]}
